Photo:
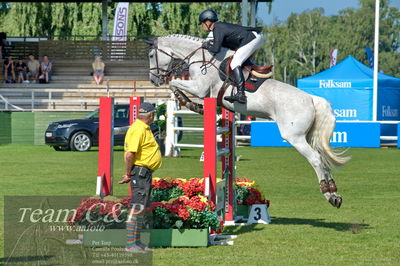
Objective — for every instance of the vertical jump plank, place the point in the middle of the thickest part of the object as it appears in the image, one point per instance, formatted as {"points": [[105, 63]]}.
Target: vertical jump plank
{"points": [[106, 143], [134, 105], [210, 144], [228, 162]]}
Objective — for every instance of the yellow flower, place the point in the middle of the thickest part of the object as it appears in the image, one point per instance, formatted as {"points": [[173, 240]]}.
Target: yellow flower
{"points": [[169, 179], [203, 199]]}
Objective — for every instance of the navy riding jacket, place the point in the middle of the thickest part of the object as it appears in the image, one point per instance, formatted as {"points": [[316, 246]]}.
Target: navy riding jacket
{"points": [[231, 36]]}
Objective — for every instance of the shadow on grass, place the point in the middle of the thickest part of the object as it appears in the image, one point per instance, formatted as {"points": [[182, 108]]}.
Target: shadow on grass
{"points": [[25, 259], [343, 227], [237, 230]]}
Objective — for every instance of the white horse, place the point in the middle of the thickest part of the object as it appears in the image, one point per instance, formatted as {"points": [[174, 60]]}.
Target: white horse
{"points": [[305, 121]]}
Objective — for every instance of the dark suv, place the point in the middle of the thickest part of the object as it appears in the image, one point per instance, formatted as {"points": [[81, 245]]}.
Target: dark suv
{"points": [[82, 134]]}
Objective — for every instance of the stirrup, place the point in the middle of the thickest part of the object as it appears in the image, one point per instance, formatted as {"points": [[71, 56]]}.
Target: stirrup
{"points": [[230, 99], [236, 98]]}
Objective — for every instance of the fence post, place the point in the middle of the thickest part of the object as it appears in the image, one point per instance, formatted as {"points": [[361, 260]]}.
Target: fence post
{"points": [[170, 124], [106, 144], [210, 144], [228, 162]]}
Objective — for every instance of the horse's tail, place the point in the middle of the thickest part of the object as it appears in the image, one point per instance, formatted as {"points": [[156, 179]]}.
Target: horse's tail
{"points": [[321, 132]]}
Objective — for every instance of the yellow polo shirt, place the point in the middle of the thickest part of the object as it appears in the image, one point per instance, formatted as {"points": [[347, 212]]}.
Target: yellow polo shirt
{"points": [[140, 140]]}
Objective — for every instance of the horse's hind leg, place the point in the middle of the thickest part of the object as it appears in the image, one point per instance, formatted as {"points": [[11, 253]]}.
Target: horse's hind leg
{"points": [[327, 188]]}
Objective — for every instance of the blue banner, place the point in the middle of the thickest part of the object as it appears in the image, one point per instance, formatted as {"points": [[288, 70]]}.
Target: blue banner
{"points": [[369, 56], [348, 88], [347, 104], [398, 135], [346, 134]]}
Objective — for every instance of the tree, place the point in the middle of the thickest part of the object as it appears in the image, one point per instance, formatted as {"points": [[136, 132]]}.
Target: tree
{"points": [[300, 46]]}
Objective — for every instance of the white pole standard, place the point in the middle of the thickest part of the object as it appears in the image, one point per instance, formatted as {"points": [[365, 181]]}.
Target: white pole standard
{"points": [[170, 124], [376, 54]]}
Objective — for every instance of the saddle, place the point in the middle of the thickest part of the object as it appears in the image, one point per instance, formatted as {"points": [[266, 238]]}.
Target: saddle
{"points": [[258, 74]]}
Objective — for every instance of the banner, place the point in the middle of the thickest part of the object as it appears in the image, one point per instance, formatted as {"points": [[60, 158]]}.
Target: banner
{"points": [[370, 56], [333, 58], [346, 134], [121, 22]]}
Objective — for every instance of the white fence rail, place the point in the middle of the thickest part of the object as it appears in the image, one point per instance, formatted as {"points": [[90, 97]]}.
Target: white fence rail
{"points": [[85, 98], [171, 141]]}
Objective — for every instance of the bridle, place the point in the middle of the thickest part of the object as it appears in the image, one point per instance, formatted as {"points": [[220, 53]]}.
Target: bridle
{"points": [[163, 73]]}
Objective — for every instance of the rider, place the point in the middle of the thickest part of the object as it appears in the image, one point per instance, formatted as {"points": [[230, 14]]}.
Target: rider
{"points": [[244, 40]]}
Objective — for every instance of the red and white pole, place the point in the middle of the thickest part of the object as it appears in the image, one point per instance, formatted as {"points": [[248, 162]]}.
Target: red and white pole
{"points": [[210, 145], [228, 162], [134, 105], [106, 143]]}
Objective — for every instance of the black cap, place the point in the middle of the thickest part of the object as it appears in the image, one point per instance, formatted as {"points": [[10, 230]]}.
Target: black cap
{"points": [[146, 107]]}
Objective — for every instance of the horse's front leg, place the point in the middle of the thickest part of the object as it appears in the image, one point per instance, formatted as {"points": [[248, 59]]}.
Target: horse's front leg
{"points": [[191, 86], [184, 100]]}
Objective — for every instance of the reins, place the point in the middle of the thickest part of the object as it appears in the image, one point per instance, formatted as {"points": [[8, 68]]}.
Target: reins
{"points": [[170, 69]]}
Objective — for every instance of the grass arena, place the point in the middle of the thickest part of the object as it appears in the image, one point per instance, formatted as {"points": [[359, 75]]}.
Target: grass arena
{"points": [[230, 175], [305, 229]]}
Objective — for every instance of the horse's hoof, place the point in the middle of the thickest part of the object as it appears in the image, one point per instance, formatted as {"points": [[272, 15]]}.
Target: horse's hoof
{"points": [[336, 201]]}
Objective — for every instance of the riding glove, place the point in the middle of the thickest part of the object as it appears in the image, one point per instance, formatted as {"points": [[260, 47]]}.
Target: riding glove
{"points": [[206, 45]]}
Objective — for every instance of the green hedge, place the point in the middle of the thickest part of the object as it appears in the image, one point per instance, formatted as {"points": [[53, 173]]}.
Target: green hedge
{"points": [[29, 127]]}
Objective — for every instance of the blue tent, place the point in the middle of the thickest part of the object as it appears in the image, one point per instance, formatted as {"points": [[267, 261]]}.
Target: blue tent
{"points": [[348, 87]]}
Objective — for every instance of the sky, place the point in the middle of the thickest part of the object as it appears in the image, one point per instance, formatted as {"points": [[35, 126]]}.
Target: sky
{"points": [[281, 9]]}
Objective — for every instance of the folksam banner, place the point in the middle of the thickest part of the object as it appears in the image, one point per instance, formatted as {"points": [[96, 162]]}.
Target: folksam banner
{"points": [[346, 134], [348, 87]]}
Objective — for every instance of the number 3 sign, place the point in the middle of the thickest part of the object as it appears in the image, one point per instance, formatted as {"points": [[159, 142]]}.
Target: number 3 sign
{"points": [[259, 214]]}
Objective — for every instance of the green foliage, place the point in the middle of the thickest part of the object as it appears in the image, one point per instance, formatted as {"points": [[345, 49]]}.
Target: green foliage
{"points": [[297, 48], [166, 194], [241, 193], [162, 218], [160, 117], [300, 46]]}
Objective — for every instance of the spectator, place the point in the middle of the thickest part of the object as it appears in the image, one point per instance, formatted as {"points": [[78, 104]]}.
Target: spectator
{"points": [[34, 67], [98, 70], [21, 70], [3, 43], [9, 70], [47, 68]]}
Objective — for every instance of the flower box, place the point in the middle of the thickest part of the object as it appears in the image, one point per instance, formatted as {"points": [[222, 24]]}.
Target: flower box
{"points": [[243, 210], [179, 237], [156, 237]]}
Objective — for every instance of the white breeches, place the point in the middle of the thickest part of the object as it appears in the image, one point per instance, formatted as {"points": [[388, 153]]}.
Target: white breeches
{"points": [[244, 52]]}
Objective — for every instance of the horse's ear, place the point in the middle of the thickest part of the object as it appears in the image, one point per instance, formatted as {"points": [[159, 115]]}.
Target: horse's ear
{"points": [[149, 42]]}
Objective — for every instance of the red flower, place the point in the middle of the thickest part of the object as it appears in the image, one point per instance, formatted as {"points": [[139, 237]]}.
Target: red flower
{"points": [[238, 179], [183, 213], [192, 187], [163, 184], [196, 204]]}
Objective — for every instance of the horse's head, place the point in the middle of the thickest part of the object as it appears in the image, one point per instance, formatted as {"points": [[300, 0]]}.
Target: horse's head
{"points": [[160, 59]]}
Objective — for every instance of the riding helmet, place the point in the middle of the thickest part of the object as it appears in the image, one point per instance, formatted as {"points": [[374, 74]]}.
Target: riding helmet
{"points": [[208, 14]]}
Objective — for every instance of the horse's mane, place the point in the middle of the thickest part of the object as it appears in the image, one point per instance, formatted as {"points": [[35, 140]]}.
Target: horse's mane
{"points": [[185, 37]]}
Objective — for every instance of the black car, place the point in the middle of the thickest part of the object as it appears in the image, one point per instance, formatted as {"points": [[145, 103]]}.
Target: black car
{"points": [[82, 134]]}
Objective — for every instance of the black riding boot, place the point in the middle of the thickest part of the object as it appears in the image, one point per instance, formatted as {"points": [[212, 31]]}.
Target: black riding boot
{"points": [[239, 80]]}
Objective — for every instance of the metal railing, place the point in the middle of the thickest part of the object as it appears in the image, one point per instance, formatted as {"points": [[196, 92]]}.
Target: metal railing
{"points": [[31, 99]]}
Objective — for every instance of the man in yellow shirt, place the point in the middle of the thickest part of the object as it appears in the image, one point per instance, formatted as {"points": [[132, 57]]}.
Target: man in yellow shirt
{"points": [[142, 157]]}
